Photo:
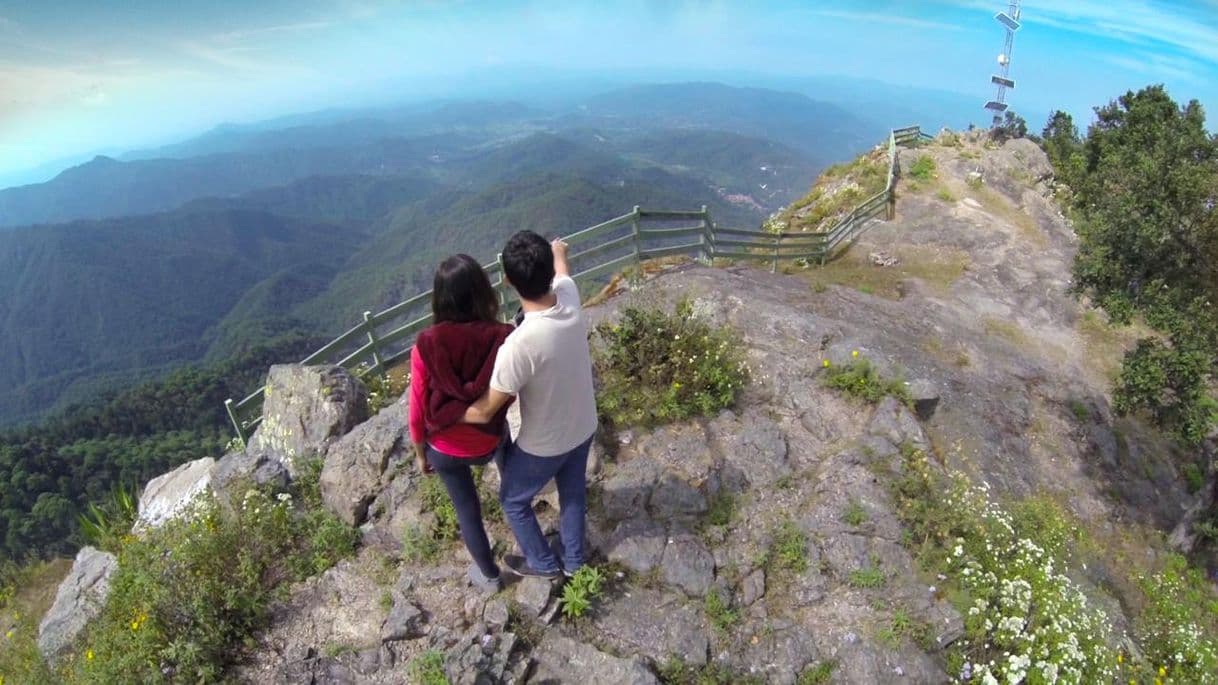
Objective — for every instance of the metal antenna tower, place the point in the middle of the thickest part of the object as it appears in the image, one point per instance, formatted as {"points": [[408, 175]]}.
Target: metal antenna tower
{"points": [[1010, 22]]}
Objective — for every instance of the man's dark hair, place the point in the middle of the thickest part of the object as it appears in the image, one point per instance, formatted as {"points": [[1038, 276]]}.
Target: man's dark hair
{"points": [[528, 262], [461, 292]]}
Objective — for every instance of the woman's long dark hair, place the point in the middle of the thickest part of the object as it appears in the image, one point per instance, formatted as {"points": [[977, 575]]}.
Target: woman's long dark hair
{"points": [[461, 292]]}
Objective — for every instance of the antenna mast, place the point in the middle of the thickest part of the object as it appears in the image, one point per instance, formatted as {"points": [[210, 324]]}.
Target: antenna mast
{"points": [[1010, 22]]}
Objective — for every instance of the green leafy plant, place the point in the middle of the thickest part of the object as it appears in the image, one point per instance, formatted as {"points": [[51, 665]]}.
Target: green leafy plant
{"points": [[868, 577], [819, 674], [1194, 477], [419, 545], [581, 590], [719, 611], [436, 500], [855, 514], [186, 596], [945, 195], [923, 168], [106, 525], [428, 669], [676, 672], [721, 509], [655, 367], [859, 378], [788, 548]]}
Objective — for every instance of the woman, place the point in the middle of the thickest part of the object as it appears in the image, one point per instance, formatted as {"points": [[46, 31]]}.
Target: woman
{"points": [[450, 367]]}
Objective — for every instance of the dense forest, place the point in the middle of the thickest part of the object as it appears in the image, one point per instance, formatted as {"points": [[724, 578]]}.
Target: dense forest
{"points": [[49, 472]]}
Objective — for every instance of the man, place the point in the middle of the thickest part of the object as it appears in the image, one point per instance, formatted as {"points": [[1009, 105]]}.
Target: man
{"points": [[546, 364]]}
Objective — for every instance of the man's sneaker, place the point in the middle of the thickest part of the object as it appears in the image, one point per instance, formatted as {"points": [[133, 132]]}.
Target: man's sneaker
{"points": [[518, 565], [482, 583]]}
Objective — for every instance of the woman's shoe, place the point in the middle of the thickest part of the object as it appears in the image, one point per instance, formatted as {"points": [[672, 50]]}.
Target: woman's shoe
{"points": [[482, 583]]}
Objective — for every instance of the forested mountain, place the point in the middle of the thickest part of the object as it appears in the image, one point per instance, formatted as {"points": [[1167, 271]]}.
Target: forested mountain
{"points": [[136, 294]]}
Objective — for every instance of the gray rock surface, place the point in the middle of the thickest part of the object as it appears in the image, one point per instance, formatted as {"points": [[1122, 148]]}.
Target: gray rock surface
{"points": [[169, 494], [533, 594], [237, 470], [77, 601], [360, 464], [638, 544], [559, 659], [655, 625], [405, 621], [688, 565], [306, 409]]}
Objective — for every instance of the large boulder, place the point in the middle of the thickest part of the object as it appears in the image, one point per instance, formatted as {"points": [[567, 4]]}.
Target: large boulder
{"points": [[168, 495], [655, 625], [362, 463], [78, 600], [307, 408], [560, 659]]}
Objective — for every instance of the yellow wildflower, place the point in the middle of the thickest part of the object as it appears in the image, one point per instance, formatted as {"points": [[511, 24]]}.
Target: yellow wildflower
{"points": [[1120, 658], [89, 655], [825, 363], [854, 353], [9, 635], [1162, 671]]}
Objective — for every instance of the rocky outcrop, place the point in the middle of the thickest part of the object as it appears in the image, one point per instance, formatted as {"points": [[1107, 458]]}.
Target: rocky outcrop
{"points": [[560, 659], [307, 408], [79, 599], [362, 463], [169, 494]]}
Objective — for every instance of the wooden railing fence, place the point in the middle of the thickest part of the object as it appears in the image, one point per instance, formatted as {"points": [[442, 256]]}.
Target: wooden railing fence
{"points": [[384, 339]]}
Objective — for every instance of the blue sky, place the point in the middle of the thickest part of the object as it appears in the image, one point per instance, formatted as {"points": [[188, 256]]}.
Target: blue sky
{"points": [[79, 76]]}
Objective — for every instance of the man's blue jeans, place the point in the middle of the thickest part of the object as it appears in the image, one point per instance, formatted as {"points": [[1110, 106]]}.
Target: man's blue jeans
{"points": [[523, 475]]}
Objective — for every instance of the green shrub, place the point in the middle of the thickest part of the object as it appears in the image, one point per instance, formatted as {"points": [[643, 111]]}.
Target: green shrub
{"points": [[945, 195], [581, 590], [1025, 619], [860, 379], [923, 168], [719, 611], [1179, 624], [1194, 477], [436, 500], [655, 367], [819, 674], [855, 514], [106, 525], [428, 669], [419, 545], [186, 597], [868, 577], [788, 548], [721, 509], [677, 672]]}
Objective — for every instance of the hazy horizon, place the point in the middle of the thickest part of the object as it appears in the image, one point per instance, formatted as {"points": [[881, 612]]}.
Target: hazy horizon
{"points": [[86, 78]]}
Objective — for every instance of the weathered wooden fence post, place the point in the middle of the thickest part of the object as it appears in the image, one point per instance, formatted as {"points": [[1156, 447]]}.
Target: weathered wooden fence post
{"points": [[777, 241], [370, 328], [232, 416], [634, 228]]}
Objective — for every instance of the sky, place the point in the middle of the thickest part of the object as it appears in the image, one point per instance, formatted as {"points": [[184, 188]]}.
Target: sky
{"points": [[82, 76]]}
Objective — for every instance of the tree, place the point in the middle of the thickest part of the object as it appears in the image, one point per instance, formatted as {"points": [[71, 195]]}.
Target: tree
{"points": [[1012, 126], [1062, 144], [1145, 204]]}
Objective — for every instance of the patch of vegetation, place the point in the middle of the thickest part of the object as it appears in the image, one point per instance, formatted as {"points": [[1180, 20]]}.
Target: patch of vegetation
{"points": [[868, 577], [1179, 624], [1007, 330], [655, 367], [937, 267], [721, 510], [188, 595], [854, 515], [719, 611], [581, 590], [1025, 619], [492, 510], [26, 592], [945, 195], [1080, 410], [428, 669], [1194, 477], [383, 388], [838, 191], [106, 525], [788, 548], [923, 168], [902, 626], [436, 500], [419, 545], [819, 674], [860, 379], [677, 672]]}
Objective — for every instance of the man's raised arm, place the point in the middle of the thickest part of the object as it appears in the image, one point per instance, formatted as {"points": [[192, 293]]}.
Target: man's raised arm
{"points": [[561, 268]]}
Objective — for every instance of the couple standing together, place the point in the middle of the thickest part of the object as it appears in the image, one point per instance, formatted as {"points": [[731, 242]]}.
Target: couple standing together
{"points": [[467, 368]]}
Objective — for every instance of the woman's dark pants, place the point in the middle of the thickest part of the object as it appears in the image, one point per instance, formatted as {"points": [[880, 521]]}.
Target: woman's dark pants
{"points": [[459, 481]]}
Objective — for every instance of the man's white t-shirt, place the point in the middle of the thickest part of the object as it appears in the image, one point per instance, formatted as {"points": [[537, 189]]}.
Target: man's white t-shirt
{"points": [[545, 363]]}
